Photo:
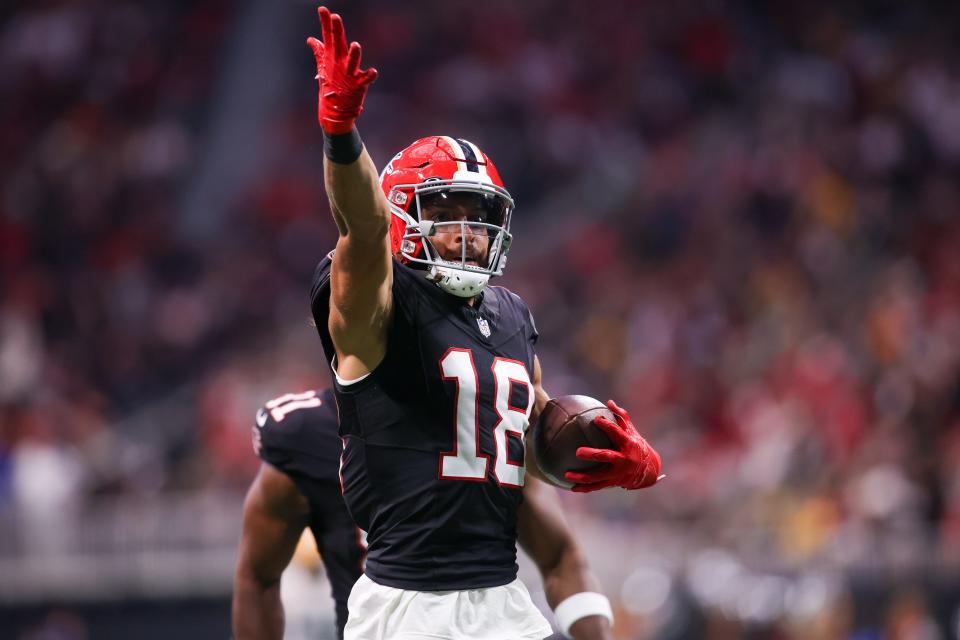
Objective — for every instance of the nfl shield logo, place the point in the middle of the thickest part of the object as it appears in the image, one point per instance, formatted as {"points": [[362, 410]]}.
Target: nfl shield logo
{"points": [[484, 326]]}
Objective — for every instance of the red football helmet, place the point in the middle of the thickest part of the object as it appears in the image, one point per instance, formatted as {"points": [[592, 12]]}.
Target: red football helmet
{"points": [[432, 167]]}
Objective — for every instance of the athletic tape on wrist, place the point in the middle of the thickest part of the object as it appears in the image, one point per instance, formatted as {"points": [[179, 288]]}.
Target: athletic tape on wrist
{"points": [[581, 605], [343, 148]]}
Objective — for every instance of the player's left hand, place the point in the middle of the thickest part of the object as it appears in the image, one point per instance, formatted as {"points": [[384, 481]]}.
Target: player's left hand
{"points": [[343, 86], [634, 465]]}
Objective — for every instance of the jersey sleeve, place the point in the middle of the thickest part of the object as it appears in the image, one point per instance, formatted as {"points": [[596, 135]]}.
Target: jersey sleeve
{"points": [[526, 317], [275, 441], [270, 440], [297, 434], [533, 334], [320, 304]]}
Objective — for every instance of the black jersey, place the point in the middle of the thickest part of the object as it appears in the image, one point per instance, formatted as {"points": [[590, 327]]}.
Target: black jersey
{"points": [[433, 437], [297, 434]]}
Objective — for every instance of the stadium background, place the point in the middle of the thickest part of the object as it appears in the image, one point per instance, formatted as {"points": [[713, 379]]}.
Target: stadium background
{"points": [[738, 219]]}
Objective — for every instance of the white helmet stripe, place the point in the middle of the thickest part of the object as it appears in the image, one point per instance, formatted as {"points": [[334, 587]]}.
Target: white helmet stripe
{"points": [[481, 165], [457, 152]]}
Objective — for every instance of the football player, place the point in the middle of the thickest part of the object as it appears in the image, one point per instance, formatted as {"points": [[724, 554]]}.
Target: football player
{"points": [[436, 378], [298, 486]]}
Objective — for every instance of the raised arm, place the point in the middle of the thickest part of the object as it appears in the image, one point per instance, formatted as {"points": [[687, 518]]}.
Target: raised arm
{"points": [[544, 535], [274, 516], [361, 274]]}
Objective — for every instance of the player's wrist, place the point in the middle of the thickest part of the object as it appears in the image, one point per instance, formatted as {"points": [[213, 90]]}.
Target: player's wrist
{"points": [[342, 148], [591, 628], [338, 120], [579, 606]]}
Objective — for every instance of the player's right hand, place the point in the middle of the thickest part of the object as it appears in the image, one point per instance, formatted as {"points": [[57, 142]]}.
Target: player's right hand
{"points": [[343, 86]]}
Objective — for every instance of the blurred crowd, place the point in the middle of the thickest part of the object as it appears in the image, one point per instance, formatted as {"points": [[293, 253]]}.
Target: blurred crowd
{"points": [[99, 313], [740, 220]]}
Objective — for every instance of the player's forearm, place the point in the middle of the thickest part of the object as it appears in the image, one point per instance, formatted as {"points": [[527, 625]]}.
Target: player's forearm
{"points": [[257, 610], [359, 207], [591, 628], [568, 576]]}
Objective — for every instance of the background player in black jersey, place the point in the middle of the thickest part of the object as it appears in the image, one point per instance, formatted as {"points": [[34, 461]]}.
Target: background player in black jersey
{"points": [[436, 377], [298, 486]]}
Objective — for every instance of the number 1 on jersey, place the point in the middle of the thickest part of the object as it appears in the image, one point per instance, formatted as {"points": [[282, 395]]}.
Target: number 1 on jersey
{"points": [[466, 462]]}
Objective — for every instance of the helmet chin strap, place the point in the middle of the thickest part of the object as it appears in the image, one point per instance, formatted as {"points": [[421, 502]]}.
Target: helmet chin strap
{"points": [[463, 284]]}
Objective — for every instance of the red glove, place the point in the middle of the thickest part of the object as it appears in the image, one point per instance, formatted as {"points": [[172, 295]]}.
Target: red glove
{"points": [[634, 465], [342, 85]]}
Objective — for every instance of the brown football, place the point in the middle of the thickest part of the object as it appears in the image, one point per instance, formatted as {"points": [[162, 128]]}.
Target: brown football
{"points": [[566, 424]]}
